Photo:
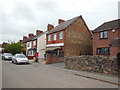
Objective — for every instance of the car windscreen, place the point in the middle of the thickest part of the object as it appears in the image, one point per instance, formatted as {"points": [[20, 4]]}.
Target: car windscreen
{"points": [[21, 56], [8, 54]]}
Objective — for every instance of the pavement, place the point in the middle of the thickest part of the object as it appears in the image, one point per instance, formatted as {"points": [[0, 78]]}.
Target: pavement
{"points": [[92, 75]]}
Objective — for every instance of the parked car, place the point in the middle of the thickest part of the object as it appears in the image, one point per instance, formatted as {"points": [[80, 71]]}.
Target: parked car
{"points": [[20, 58], [7, 56]]}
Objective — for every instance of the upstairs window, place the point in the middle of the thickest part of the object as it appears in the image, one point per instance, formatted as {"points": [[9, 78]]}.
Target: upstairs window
{"points": [[49, 37], [103, 35], [55, 37], [61, 35], [103, 51], [28, 44]]}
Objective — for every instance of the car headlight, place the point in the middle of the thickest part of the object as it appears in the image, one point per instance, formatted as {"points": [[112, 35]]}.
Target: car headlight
{"points": [[6, 56]]}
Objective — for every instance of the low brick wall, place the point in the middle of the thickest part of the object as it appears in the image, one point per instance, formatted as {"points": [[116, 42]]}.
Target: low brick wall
{"points": [[101, 64], [51, 59]]}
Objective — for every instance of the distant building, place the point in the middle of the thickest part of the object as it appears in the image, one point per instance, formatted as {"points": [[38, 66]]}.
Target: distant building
{"points": [[106, 39], [24, 44], [1, 48]]}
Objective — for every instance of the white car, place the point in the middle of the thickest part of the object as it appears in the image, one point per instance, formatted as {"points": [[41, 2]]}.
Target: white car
{"points": [[20, 58]]}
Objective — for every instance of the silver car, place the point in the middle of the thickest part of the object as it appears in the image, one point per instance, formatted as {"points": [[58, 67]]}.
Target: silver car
{"points": [[7, 56], [20, 58]]}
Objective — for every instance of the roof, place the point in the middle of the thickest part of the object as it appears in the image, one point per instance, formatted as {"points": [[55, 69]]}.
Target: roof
{"points": [[24, 41], [115, 43], [40, 35], [63, 25], [108, 25], [29, 39], [34, 37]]}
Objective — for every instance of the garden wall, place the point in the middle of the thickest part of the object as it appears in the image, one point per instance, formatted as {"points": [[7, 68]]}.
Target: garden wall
{"points": [[101, 64]]}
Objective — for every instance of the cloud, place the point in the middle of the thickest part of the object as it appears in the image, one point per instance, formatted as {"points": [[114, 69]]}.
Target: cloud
{"points": [[20, 17]]}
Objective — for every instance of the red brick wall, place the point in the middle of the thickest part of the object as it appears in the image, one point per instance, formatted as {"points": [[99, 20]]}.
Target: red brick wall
{"points": [[97, 42], [57, 40], [114, 50], [51, 59], [32, 44], [30, 57], [78, 39]]}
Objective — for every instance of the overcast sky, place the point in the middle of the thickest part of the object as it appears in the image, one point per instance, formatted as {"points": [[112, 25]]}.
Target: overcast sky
{"points": [[20, 17]]}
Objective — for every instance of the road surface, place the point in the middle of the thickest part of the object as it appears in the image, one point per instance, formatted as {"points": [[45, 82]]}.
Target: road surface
{"points": [[44, 76]]}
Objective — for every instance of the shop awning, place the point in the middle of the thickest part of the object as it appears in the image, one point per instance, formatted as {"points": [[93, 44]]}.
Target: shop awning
{"points": [[52, 48]]}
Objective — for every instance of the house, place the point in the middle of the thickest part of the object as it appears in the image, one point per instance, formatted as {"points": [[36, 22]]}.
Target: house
{"points": [[41, 45], [106, 39], [24, 44], [31, 46], [68, 38], [1, 48]]}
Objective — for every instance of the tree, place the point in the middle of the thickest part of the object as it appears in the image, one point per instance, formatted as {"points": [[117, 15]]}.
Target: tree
{"points": [[14, 48]]}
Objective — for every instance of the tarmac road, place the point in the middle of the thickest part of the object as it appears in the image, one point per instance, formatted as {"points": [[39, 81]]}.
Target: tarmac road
{"points": [[44, 76]]}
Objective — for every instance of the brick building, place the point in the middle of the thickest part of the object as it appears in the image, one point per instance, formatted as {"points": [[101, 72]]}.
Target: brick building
{"points": [[68, 38], [31, 47], [106, 39], [24, 43]]}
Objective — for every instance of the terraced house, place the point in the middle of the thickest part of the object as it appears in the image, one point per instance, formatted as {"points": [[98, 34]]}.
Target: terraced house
{"points": [[31, 46], [106, 38], [68, 38]]}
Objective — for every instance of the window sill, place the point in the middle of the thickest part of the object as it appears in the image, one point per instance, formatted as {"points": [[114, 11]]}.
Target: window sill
{"points": [[103, 38], [103, 54]]}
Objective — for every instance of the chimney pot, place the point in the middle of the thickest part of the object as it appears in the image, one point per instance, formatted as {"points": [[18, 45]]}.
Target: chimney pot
{"points": [[38, 32], [25, 38], [60, 21], [49, 27], [30, 35]]}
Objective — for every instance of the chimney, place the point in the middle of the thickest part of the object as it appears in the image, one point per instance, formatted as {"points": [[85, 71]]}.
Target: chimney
{"points": [[20, 41], [38, 32], [60, 21], [25, 38], [30, 35], [49, 27]]}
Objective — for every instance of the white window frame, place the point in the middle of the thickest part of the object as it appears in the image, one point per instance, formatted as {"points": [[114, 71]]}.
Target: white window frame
{"points": [[34, 43], [61, 35], [28, 44], [49, 38], [30, 53], [103, 34], [55, 37]]}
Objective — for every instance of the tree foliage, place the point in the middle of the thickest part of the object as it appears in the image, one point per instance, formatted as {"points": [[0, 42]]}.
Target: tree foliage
{"points": [[14, 48]]}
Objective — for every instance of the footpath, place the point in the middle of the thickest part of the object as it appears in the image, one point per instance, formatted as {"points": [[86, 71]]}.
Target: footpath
{"points": [[91, 75]]}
